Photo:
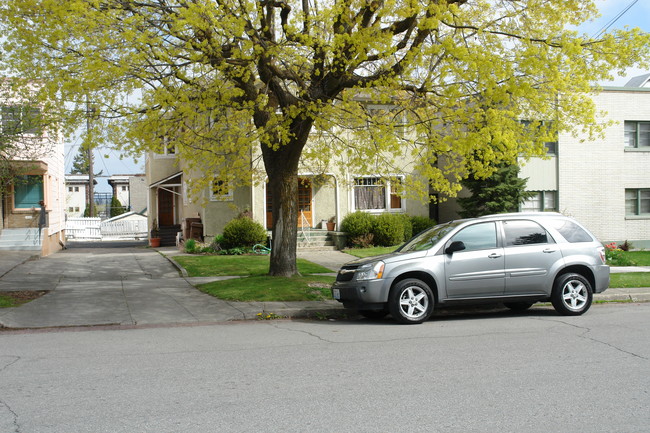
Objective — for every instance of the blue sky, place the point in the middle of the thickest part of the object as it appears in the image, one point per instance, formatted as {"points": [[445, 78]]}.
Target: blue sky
{"points": [[637, 16]]}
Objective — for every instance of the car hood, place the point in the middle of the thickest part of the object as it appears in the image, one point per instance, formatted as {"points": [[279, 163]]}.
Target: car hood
{"points": [[388, 258]]}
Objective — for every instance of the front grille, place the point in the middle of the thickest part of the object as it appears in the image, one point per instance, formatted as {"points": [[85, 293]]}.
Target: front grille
{"points": [[346, 273]]}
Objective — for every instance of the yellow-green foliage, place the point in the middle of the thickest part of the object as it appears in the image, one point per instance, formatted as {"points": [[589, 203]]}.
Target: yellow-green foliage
{"points": [[376, 84]]}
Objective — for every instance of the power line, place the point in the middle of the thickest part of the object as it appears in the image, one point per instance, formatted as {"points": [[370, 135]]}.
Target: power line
{"points": [[613, 20]]}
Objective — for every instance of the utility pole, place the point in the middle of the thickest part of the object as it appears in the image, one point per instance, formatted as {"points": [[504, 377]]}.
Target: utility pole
{"points": [[91, 176]]}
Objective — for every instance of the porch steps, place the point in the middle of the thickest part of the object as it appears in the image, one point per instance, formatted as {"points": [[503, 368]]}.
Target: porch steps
{"points": [[24, 239], [168, 235], [315, 239]]}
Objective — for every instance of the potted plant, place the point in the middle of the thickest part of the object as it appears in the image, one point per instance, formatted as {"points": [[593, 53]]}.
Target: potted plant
{"points": [[154, 239], [331, 224]]}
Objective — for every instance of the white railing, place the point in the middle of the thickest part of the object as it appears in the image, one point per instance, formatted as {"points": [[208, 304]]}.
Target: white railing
{"points": [[124, 229], [304, 222], [94, 228], [83, 228]]}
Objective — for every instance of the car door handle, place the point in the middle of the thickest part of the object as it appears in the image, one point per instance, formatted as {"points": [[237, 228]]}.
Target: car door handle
{"points": [[549, 250], [494, 256]]}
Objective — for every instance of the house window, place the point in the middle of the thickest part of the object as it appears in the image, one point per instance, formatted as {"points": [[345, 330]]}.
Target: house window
{"points": [[375, 193], [540, 202], [69, 189], [70, 209], [28, 191], [76, 189], [76, 209], [637, 135], [221, 190], [20, 119], [637, 202], [551, 146], [123, 188]]}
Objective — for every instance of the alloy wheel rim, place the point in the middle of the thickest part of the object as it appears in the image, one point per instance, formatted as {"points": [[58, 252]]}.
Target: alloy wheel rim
{"points": [[574, 295], [414, 302]]}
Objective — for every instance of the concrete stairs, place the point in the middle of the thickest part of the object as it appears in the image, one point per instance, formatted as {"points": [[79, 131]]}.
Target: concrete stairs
{"points": [[168, 235], [315, 239], [25, 239]]}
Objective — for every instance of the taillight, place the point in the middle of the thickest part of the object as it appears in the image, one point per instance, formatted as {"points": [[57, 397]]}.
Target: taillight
{"points": [[603, 257]]}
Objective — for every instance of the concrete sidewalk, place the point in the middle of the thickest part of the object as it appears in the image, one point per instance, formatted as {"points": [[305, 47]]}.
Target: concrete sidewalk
{"points": [[135, 285]]}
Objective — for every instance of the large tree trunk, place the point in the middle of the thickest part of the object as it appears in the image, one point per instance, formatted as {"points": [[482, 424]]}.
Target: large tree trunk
{"points": [[284, 193], [282, 171]]}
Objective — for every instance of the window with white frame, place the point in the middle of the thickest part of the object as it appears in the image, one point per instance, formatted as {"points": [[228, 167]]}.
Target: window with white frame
{"points": [[540, 202], [637, 201], [637, 135], [220, 190], [551, 146], [20, 119], [376, 193], [168, 148]]}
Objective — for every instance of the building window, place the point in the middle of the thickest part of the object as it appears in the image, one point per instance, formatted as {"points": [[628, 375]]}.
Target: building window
{"points": [[20, 119], [28, 191], [76, 209], [70, 209], [76, 189], [540, 202], [637, 135], [375, 193], [637, 202], [551, 146], [69, 189], [221, 190], [124, 188]]}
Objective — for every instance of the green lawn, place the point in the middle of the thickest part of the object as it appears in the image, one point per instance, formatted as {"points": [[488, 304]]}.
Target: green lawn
{"points": [[257, 286], [370, 252], [630, 280], [219, 266], [641, 258]]}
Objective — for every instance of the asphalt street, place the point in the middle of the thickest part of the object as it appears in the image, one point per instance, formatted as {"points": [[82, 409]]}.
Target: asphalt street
{"points": [[482, 372]]}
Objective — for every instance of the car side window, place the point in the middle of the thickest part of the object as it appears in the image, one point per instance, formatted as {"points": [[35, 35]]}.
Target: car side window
{"points": [[478, 236], [571, 231], [524, 232]]}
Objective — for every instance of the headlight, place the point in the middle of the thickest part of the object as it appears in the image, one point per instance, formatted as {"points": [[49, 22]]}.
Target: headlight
{"points": [[371, 271]]}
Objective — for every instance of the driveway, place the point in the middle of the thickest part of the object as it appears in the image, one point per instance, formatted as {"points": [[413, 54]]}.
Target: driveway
{"points": [[120, 283]]}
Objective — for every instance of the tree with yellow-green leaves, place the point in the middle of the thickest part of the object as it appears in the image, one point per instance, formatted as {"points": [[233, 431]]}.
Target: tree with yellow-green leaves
{"points": [[252, 88]]}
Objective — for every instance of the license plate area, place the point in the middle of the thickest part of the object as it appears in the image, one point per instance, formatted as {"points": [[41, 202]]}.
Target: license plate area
{"points": [[336, 293]]}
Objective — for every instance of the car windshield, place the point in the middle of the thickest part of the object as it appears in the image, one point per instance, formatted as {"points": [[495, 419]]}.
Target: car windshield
{"points": [[428, 238]]}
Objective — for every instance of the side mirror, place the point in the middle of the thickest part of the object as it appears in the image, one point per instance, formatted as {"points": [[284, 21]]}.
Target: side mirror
{"points": [[455, 246]]}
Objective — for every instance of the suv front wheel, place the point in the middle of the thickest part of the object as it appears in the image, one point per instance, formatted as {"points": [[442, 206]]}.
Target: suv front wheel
{"points": [[572, 294], [411, 301]]}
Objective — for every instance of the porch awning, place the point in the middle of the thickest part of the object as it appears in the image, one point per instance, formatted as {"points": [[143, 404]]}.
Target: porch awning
{"points": [[169, 181]]}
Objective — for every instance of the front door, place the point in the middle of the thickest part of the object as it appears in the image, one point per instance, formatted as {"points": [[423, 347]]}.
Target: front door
{"points": [[304, 204], [165, 208]]}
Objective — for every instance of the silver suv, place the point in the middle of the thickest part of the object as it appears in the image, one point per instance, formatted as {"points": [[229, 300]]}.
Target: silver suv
{"points": [[517, 259]]}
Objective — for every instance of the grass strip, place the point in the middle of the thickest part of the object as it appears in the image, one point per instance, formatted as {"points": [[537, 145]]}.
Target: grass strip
{"points": [[276, 289], [629, 280], [243, 266]]}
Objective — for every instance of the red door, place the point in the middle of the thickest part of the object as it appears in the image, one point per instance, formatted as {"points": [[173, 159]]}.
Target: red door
{"points": [[165, 208]]}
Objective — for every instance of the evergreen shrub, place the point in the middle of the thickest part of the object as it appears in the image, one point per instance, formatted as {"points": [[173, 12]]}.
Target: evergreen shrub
{"points": [[243, 232], [357, 224], [389, 229]]}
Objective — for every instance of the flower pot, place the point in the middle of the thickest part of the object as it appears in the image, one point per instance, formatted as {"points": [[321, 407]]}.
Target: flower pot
{"points": [[154, 242], [330, 226]]}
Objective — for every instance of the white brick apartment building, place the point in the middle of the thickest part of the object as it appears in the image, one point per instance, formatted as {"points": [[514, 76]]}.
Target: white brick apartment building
{"points": [[604, 183]]}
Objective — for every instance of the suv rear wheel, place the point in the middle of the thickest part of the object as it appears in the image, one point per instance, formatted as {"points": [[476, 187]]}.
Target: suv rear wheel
{"points": [[572, 294], [411, 301]]}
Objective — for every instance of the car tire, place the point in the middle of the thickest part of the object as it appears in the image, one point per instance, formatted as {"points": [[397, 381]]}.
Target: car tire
{"points": [[411, 301], [373, 314], [572, 294], [518, 306]]}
